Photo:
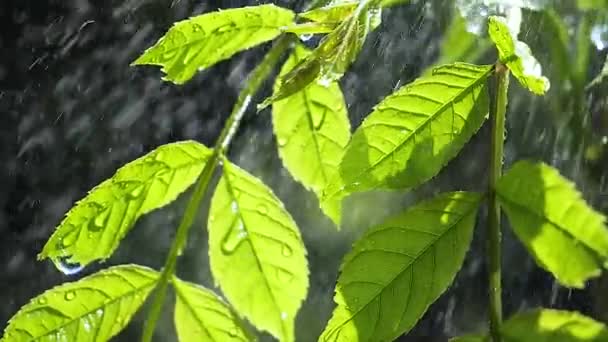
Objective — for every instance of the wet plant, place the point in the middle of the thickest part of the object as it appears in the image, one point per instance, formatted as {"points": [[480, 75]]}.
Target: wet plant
{"points": [[397, 269]]}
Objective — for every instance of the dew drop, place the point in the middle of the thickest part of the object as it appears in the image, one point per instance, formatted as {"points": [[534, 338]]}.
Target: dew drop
{"points": [[284, 276], [70, 238], [66, 267], [42, 300], [305, 37], [262, 209], [233, 239], [69, 295], [286, 251], [232, 332], [100, 220]]}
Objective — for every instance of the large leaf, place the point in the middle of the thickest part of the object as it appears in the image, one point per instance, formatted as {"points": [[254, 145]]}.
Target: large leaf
{"points": [[312, 129], [199, 42], [414, 132], [399, 268], [565, 235], [517, 56], [200, 315], [330, 60], [94, 308], [545, 325], [256, 253], [94, 227]]}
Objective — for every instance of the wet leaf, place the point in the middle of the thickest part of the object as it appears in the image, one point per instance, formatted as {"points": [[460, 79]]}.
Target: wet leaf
{"points": [[399, 268], [330, 60], [553, 325], [199, 42], [334, 12], [414, 132], [200, 315], [256, 253], [517, 56], [550, 217], [94, 308], [94, 227], [312, 129]]}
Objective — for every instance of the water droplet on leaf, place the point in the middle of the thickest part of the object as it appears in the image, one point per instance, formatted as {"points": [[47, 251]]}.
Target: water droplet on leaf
{"points": [[234, 206], [70, 238], [100, 220], [135, 193], [69, 295], [284, 276], [283, 315], [305, 37], [42, 300], [286, 251], [99, 312], [67, 267], [262, 209], [233, 239], [232, 332], [282, 142]]}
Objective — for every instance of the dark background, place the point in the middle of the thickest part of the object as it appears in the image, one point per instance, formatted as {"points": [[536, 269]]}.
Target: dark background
{"points": [[72, 111]]}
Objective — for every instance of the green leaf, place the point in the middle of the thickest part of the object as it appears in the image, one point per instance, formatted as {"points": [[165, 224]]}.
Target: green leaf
{"points": [[460, 45], [256, 253], [200, 315], [94, 227], [470, 338], [330, 60], [399, 268], [549, 216], [553, 325], [312, 129], [94, 308], [517, 56], [199, 42], [334, 12], [390, 3], [592, 4], [414, 132]]}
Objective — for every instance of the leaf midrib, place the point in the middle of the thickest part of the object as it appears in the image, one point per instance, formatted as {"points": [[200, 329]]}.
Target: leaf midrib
{"points": [[414, 260]]}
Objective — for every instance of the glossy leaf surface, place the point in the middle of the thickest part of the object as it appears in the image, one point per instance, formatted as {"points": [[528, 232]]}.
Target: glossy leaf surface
{"points": [[546, 325], [399, 268], [200, 315], [94, 308], [94, 227], [312, 129], [563, 233], [256, 253], [199, 42], [517, 56], [412, 134]]}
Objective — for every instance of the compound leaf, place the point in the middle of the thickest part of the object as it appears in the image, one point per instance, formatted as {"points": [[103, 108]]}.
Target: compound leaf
{"points": [[94, 308], [414, 132], [312, 129], [200, 315], [553, 325], [256, 253], [94, 227], [399, 268], [549, 216], [199, 42], [517, 56]]}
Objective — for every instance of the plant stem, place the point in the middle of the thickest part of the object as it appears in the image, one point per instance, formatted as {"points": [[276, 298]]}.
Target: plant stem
{"points": [[497, 117], [254, 82]]}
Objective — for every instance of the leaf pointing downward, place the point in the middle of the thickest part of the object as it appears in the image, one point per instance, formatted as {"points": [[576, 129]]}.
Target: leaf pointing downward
{"points": [[94, 227], [549, 216], [256, 253], [200, 315], [414, 132], [199, 42], [312, 129], [397, 269], [94, 308]]}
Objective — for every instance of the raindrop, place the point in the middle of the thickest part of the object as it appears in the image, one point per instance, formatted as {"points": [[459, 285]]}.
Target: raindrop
{"points": [[282, 142], [169, 55], [234, 206], [196, 28], [283, 275], [135, 193], [262, 209], [283, 315], [69, 295], [286, 251], [211, 218], [232, 332], [42, 300], [305, 37], [100, 220], [324, 81], [225, 28], [99, 312], [159, 156], [317, 120], [87, 325], [233, 239], [70, 238], [67, 267]]}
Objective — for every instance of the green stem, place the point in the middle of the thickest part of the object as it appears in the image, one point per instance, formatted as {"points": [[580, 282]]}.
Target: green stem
{"points": [[497, 117], [255, 80]]}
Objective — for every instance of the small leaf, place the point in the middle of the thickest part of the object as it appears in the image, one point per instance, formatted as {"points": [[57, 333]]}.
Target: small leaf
{"points": [[256, 253], [549, 216], [94, 308], [312, 129], [199, 42], [94, 227], [330, 60], [415, 131], [399, 268], [517, 56], [553, 325], [200, 315]]}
